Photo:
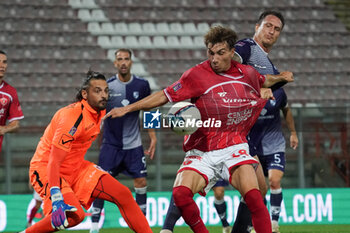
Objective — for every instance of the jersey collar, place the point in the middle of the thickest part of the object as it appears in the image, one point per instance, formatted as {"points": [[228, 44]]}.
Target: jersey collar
{"points": [[261, 48], [92, 111], [125, 83]]}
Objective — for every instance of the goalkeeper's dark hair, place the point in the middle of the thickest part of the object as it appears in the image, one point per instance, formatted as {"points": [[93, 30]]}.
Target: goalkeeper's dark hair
{"points": [[90, 75], [3, 52], [219, 34], [270, 12]]}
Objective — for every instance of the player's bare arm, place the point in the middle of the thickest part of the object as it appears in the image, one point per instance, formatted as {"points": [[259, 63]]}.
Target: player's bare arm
{"points": [[151, 101], [285, 76], [11, 127], [294, 141], [152, 144]]}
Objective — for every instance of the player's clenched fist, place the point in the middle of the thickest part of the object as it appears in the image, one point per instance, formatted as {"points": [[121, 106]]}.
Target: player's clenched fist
{"points": [[288, 76], [266, 93]]}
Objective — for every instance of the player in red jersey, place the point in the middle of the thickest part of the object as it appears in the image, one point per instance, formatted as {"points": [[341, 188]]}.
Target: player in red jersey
{"points": [[65, 181], [10, 109], [230, 92]]}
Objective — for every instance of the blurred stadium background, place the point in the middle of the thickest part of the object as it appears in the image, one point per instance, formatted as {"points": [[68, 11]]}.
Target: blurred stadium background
{"points": [[52, 44]]}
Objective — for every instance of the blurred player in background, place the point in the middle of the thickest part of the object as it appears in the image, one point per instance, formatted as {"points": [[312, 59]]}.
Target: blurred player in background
{"points": [[65, 181], [222, 152], [35, 208], [10, 109], [265, 138], [220, 204], [121, 149]]}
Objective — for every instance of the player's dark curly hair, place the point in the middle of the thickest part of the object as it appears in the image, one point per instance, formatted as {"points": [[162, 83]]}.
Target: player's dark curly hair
{"points": [[219, 34], [90, 75], [271, 12]]}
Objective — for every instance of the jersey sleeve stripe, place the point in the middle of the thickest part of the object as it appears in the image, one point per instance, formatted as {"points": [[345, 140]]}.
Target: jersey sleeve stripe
{"points": [[15, 118], [168, 96]]}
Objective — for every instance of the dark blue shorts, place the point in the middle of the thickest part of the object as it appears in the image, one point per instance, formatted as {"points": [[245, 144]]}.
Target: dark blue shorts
{"points": [[221, 183], [129, 162], [273, 161]]}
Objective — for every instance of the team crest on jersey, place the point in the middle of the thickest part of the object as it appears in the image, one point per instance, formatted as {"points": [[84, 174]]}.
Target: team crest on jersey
{"points": [[3, 101], [136, 94], [125, 102], [273, 102]]}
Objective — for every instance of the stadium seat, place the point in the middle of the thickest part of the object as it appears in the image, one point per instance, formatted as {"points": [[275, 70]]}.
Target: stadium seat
{"points": [[107, 28], [149, 29], [160, 42], [121, 28], [145, 42], [131, 42], [75, 3], [117, 42], [94, 28], [190, 29], [98, 15], [198, 41], [104, 42], [162, 28], [88, 4], [138, 69], [135, 29], [186, 42], [84, 15], [176, 28], [173, 42], [202, 28]]}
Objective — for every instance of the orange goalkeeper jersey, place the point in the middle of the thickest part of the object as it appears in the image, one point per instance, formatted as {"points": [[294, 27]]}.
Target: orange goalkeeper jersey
{"points": [[72, 129]]}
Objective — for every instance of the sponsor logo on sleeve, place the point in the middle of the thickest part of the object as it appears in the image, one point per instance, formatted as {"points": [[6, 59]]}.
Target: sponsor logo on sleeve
{"points": [[177, 87], [72, 131]]}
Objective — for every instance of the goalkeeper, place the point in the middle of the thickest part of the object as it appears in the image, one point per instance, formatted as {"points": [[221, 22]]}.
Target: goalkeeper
{"points": [[65, 181]]}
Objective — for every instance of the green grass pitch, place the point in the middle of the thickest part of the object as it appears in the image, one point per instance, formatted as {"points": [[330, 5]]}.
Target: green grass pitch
{"points": [[283, 229]]}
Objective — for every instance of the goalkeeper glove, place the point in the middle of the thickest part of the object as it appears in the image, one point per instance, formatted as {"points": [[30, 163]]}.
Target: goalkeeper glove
{"points": [[58, 218]]}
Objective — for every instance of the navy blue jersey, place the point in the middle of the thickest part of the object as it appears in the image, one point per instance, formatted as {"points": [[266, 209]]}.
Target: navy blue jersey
{"points": [[252, 54], [266, 135], [124, 132]]}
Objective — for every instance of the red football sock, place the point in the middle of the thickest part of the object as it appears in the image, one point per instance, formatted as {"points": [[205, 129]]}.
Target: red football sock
{"points": [[32, 214], [110, 189], [74, 218], [260, 216], [183, 198]]}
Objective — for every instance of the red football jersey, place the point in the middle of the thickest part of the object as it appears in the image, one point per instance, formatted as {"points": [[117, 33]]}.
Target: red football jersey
{"points": [[10, 109], [233, 98]]}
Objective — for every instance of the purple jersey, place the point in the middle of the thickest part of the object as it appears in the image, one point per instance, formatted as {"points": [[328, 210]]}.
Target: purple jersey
{"points": [[252, 54], [266, 135], [124, 132]]}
